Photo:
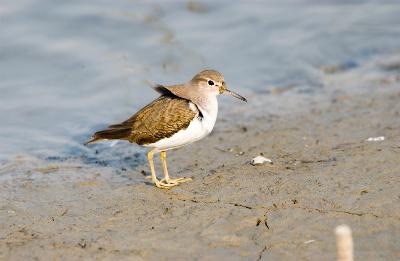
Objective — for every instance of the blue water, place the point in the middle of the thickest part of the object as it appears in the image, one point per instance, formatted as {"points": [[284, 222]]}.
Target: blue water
{"points": [[68, 68]]}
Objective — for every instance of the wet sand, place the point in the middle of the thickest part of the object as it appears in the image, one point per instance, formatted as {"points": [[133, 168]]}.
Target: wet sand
{"points": [[324, 173]]}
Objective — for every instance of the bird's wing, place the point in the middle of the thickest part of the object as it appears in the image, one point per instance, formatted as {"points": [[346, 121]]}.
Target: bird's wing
{"points": [[163, 90], [161, 119]]}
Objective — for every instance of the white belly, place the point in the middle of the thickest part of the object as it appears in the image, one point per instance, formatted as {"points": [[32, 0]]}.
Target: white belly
{"points": [[197, 129]]}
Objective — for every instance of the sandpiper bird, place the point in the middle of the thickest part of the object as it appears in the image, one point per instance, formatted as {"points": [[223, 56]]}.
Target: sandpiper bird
{"points": [[183, 114]]}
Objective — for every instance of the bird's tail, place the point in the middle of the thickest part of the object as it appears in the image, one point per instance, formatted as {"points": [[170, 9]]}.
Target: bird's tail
{"points": [[110, 134]]}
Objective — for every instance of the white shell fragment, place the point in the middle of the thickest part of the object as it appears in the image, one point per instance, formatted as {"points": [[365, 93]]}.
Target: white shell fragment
{"points": [[380, 138], [259, 160]]}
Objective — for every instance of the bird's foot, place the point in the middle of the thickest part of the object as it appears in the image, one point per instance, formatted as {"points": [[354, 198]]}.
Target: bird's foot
{"points": [[163, 185], [167, 183], [174, 182]]}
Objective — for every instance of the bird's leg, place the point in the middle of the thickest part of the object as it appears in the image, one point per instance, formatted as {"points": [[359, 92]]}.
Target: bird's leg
{"points": [[159, 184], [167, 179], [153, 173]]}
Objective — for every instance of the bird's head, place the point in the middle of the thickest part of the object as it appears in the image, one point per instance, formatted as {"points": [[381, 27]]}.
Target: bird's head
{"points": [[211, 81]]}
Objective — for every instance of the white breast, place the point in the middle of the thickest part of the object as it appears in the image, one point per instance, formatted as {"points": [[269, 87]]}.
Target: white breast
{"points": [[197, 129]]}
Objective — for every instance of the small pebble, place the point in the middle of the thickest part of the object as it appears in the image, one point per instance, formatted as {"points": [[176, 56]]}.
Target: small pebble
{"points": [[259, 160], [380, 138], [82, 243], [240, 153]]}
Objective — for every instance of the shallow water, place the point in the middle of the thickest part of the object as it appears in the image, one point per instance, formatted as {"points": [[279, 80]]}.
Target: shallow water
{"points": [[68, 68]]}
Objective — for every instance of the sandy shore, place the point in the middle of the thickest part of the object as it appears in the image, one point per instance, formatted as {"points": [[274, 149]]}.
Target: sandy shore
{"points": [[324, 173]]}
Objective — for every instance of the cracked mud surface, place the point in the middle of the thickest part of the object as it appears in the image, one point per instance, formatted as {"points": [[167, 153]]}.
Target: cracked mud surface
{"points": [[324, 174]]}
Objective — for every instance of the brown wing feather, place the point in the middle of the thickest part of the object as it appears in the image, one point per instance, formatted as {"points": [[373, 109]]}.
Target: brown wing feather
{"points": [[160, 119]]}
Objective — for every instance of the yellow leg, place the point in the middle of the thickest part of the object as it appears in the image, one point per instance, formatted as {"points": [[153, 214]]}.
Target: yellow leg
{"points": [[159, 184], [153, 173], [167, 179]]}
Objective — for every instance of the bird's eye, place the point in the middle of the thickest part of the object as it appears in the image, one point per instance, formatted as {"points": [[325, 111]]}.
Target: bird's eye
{"points": [[210, 82]]}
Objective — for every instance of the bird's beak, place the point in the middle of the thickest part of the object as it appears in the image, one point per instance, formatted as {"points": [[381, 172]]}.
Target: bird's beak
{"points": [[223, 89]]}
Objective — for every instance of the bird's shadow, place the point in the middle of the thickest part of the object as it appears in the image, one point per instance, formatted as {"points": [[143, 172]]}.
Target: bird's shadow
{"points": [[121, 157]]}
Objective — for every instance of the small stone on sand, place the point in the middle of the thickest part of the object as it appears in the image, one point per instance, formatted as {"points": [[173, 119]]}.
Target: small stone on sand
{"points": [[380, 138], [259, 160]]}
